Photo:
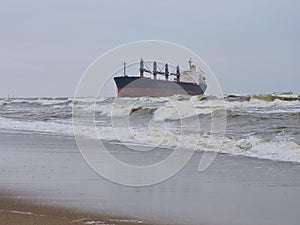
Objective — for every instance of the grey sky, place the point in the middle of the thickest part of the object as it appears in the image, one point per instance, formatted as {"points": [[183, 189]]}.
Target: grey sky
{"points": [[253, 46]]}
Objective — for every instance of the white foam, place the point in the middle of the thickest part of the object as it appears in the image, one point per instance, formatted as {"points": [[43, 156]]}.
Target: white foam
{"points": [[157, 135], [151, 99], [286, 96], [125, 221], [185, 107], [51, 101], [39, 101], [273, 150], [246, 104], [39, 126], [94, 222], [161, 137], [20, 100], [24, 213], [252, 147]]}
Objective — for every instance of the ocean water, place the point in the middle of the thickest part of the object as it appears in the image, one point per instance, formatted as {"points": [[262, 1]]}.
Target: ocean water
{"points": [[261, 127]]}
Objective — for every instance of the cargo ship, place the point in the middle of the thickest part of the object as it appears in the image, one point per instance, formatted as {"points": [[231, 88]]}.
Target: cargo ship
{"points": [[189, 82]]}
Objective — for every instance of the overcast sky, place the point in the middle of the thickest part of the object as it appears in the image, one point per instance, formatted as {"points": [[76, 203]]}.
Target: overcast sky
{"points": [[253, 46]]}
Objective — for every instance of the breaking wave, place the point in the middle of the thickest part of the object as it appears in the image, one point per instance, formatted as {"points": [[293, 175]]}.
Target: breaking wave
{"points": [[260, 126]]}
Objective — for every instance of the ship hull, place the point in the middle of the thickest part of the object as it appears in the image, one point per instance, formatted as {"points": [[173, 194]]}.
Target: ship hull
{"points": [[139, 87]]}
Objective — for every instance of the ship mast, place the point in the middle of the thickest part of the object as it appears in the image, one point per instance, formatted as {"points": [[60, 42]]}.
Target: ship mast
{"points": [[154, 70], [142, 69], [157, 71], [167, 71], [177, 74], [124, 69]]}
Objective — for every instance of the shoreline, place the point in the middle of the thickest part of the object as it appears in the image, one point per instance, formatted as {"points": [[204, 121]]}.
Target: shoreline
{"points": [[28, 212]]}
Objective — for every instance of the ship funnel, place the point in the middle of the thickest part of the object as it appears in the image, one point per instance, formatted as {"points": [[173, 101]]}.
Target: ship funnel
{"points": [[192, 66]]}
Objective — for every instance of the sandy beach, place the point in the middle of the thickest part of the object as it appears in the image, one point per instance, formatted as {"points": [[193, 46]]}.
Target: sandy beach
{"points": [[18, 204], [47, 170], [17, 211]]}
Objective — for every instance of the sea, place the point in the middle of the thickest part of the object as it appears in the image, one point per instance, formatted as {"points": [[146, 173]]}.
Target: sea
{"points": [[257, 126]]}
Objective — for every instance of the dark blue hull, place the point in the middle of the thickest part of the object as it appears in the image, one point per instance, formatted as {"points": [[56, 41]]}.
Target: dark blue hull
{"points": [[137, 87]]}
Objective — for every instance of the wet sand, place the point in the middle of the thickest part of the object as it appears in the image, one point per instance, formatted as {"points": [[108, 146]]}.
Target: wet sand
{"points": [[48, 170], [13, 211]]}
